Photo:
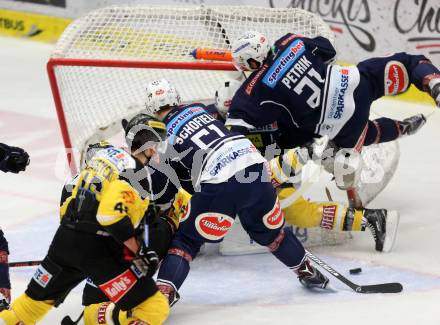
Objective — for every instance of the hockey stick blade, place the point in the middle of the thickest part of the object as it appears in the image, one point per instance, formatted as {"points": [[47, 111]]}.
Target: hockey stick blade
{"points": [[68, 321], [392, 287]]}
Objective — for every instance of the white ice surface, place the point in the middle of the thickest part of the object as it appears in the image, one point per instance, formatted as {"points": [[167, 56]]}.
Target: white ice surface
{"points": [[232, 290]]}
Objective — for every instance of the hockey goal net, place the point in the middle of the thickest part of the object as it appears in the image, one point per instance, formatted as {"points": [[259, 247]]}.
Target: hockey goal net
{"points": [[103, 61]]}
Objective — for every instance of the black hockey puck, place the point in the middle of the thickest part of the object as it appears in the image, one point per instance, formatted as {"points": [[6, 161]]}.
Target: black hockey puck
{"points": [[356, 270]]}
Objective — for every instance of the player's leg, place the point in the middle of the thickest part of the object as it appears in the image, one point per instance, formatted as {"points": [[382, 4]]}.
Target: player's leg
{"points": [[152, 311], [393, 74], [261, 216], [122, 284], [5, 283], [209, 216], [336, 216], [51, 283]]}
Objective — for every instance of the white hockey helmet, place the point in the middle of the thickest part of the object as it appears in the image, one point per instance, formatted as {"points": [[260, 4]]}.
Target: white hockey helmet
{"points": [[224, 95], [251, 47], [161, 93]]}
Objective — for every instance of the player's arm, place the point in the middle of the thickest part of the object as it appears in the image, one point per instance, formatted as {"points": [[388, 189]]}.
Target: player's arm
{"points": [[120, 211], [393, 74], [322, 47], [13, 159], [319, 45]]}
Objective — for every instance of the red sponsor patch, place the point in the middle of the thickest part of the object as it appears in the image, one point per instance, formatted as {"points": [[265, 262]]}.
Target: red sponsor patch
{"points": [[396, 78], [290, 38], [328, 216], [250, 86], [275, 218], [213, 226], [118, 287]]}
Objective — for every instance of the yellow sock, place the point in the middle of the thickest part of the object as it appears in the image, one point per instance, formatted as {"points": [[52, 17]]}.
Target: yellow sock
{"points": [[153, 311], [352, 220], [102, 313], [26, 310]]}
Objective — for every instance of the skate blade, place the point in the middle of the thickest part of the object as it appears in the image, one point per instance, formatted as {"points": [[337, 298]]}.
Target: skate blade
{"points": [[392, 224]]}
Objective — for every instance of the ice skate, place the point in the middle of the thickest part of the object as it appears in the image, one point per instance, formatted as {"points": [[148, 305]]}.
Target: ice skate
{"points": [[310, 277], [383, 225]]}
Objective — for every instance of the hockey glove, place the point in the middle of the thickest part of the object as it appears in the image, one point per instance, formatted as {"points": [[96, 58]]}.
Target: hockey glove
{"points": [[434, 86], [146, 260], [13, 159], [412, 125], [324, 151]]}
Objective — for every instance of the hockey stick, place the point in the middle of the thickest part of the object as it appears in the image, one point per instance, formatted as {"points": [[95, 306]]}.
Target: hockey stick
{"points": [[329, 195], [392, 287], [68, 321], [24, 263]]}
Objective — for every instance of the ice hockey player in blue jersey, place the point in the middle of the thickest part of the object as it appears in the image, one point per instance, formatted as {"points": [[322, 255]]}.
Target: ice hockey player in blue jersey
{"points": [[14, 160], [230, 178], [295, 84]]}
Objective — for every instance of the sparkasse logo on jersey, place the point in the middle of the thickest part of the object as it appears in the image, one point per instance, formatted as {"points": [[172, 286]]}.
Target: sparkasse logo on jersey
{"points": [[341, 95], [281, 65], [338, 99]]}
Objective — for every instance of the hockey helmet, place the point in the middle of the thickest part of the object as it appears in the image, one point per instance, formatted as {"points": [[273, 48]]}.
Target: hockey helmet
{"points": [[143, 131], [93, 148], [161, 94], [250, 50], [224, 95]]}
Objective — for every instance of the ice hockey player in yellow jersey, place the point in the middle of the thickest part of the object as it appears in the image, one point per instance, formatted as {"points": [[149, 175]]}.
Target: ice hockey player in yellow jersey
{"points": [[163, 221], [101, 237]]}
